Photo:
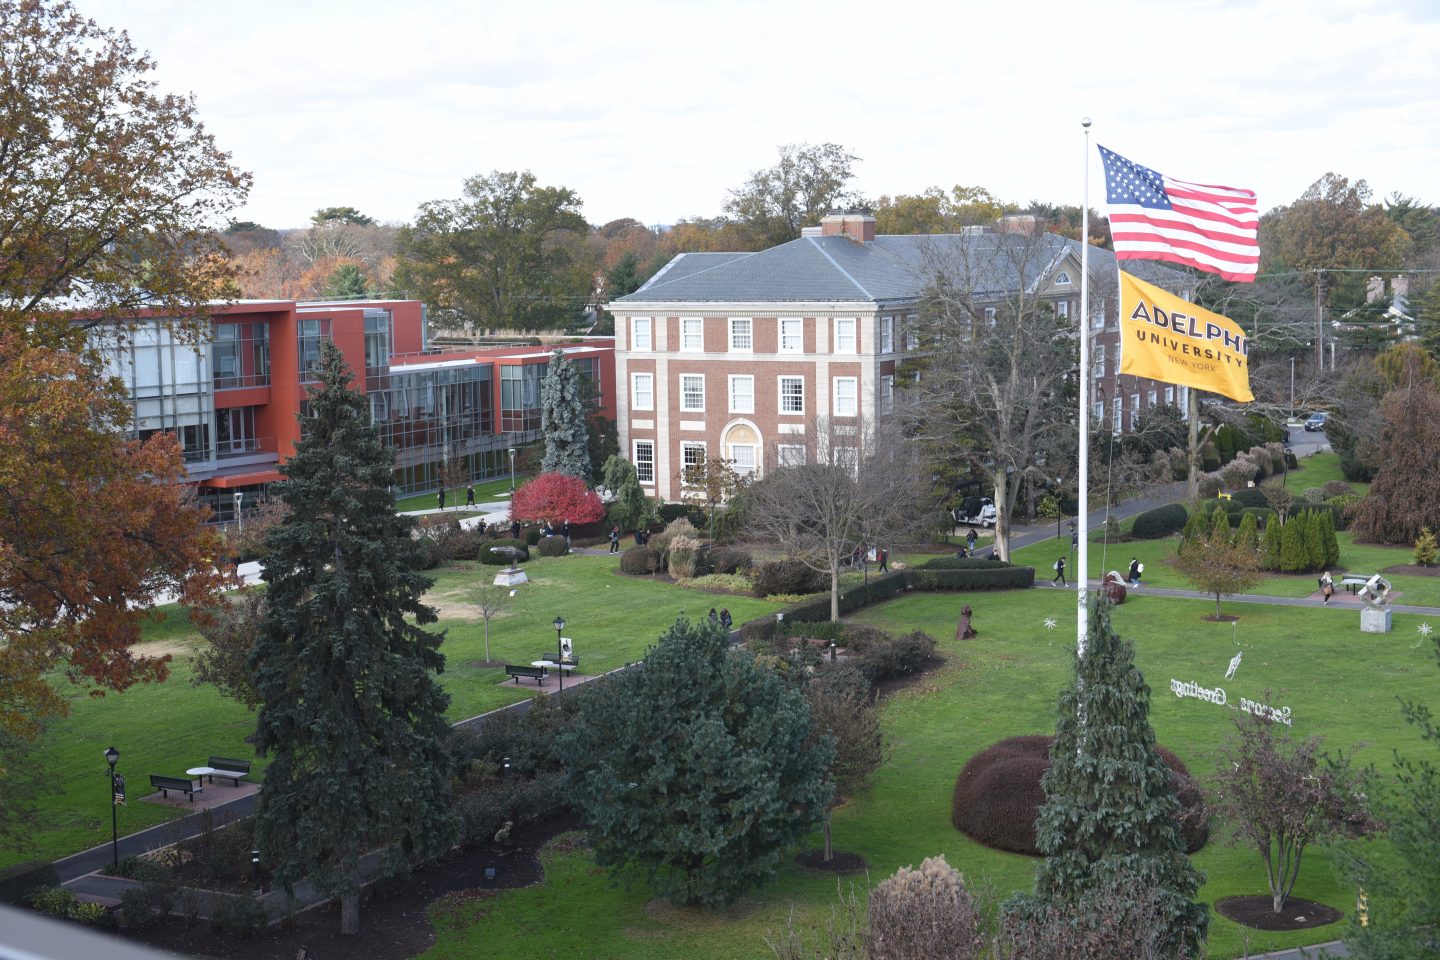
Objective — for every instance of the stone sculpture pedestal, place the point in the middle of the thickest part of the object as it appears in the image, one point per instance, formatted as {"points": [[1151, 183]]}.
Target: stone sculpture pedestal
{"points": [[511, 577], [1375, 620]]}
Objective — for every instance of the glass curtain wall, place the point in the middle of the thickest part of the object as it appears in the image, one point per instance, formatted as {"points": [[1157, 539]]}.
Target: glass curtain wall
{"points": [[170, 383], [431, 417]]}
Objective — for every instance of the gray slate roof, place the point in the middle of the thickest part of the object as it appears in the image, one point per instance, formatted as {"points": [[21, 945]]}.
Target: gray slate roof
{"points": [[892, 268]]}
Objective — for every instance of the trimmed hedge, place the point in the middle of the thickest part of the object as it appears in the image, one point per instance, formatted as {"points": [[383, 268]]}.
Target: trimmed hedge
{"points": [[963, 563], [1160, 522], [18, 882], [786, 576], [496, 560], [1262, 515], [1250, 497], [640, 561], [1006, 578], [553, 547]]}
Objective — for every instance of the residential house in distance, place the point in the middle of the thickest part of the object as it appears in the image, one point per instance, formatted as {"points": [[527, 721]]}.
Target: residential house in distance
{"points": [[734, 355], [236, 401]]}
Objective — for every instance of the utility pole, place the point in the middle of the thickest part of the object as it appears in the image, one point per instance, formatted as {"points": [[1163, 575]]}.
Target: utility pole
{"points": [[1319, 320]]}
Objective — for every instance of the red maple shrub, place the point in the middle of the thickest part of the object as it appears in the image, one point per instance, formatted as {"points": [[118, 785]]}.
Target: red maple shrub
{"points": [[556, 497]]}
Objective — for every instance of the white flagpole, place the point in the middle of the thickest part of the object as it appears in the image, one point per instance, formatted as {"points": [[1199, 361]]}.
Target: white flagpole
{"points": [[1082, 509]]}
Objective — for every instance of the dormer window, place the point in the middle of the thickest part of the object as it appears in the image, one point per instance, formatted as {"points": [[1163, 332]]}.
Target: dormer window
{"points": [[1062, 279]]}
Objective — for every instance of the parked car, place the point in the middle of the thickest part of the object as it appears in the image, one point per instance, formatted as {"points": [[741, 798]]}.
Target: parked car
{"points": [[976, 512], [1316, 421]]}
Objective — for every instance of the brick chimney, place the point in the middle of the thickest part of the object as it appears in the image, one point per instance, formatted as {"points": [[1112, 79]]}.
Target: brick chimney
{"points": [[1374, 289], [1021, 223], [858, 225], [1400, 286]]}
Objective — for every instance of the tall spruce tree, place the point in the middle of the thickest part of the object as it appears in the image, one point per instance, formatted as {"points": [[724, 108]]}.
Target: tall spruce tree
{"points": [[1108, 816], [351, 715], [562, 420]]}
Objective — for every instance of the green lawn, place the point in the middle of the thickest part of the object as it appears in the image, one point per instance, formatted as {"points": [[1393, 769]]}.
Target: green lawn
{"points": [[485, 491], [167, 727], [1003, 684]]}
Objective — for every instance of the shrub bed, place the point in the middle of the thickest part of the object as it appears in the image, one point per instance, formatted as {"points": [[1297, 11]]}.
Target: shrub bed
{"points": [[1006, 578], [897, 657], [552, 547], [640, 561], [998, 795], [786, 576], [18, 882], [963, 563], [728, 560]]}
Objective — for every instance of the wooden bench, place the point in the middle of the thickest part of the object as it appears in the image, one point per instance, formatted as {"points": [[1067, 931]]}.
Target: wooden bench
{"points": [[518, 670], [228, 768], [179, 784]]}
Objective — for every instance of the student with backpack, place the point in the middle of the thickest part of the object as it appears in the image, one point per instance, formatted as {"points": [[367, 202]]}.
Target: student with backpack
{"points": [[1059, 568], [1136, 569]]}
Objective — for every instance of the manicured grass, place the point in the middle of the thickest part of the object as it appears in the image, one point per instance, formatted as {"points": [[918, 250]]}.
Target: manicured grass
{"points": [[167, 727], [1318, 469], [1004, 683], [485, 490]]}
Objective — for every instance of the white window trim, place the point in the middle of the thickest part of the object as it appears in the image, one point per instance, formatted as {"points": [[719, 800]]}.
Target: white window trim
{"points": [[887, 393], [1062, 279], [835, 395], [784, 461], [780, 395], [730, 343], [990, 314], [754, 449], [887, 334], [681, 382], [635, 459], [635, 379], [1062, 309], [649, 334], [700, 323], [780, 333], [690, 445], [854, 336], [731, 398]]}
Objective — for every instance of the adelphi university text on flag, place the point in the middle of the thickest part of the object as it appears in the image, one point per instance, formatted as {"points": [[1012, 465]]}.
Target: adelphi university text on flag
{"points": [[1155, 217], [1166, 338]]}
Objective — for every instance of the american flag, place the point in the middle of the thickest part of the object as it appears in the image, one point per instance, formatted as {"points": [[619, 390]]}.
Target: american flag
{"points": [[1154, 217]]}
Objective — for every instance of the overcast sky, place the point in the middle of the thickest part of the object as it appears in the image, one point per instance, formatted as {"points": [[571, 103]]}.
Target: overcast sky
{"points": [[657, 110]]}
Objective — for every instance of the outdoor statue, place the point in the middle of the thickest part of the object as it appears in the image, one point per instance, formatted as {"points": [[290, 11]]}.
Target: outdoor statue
{"points": [[964, 631], [1376, 591], [509, 553], [512, 575]]}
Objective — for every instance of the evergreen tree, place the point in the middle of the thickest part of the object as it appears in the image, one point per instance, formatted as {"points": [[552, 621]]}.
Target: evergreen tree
{"points": [[346, 283], [693, 767], [1248, 535], [624, 277], [1220, 524], [562, 420], [1270, 549], [1292, 545], [1314, 540], [1327, 534], [1428, 321], [1196, 528], [1108, 816], [630, 509], [351, 715]]}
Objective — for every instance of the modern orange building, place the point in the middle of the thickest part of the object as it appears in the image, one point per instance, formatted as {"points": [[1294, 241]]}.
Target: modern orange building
{"points": [[236, 401]]}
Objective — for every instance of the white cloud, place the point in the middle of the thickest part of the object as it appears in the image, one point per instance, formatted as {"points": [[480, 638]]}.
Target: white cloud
{"points": [[656, 110]]}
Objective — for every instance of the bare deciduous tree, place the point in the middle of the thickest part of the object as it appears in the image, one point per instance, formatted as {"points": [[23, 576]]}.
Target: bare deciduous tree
{"points": [[857, 485]]}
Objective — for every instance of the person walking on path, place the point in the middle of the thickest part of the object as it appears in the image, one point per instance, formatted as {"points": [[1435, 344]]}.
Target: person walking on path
{"points": [[725, 619], [1136, 568], [970, 539], [714, 618], [470, 495], [884, 560], [514, 529], [565, 529], [615, 539], [1059, 569], [441, 498], [1327, 587]]}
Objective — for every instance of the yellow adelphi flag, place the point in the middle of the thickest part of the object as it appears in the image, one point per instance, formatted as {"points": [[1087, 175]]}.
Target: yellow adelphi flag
{"points": [[1165, 338]]}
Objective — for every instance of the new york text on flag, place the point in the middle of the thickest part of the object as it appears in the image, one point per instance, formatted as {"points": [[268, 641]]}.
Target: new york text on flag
{"points": [[1155, 217]]}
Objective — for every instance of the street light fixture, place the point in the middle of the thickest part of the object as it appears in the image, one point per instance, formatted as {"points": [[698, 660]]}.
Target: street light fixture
{"points": [[512, 469], [559, 624], [239, 517], [112, 757]]}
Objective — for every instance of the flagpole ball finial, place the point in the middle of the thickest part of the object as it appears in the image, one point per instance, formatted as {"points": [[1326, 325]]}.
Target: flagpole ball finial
{"points": [[1085, 122]]}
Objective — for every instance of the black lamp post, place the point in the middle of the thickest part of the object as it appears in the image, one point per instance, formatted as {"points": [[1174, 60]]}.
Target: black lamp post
{"points": [[512, 469], [559, 625], [112, 757]]}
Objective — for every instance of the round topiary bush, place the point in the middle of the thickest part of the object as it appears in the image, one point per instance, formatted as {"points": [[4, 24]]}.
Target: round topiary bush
{"points": [[786, 577], [998, 796], [1160, 522], [553, 547], [640, 561]]}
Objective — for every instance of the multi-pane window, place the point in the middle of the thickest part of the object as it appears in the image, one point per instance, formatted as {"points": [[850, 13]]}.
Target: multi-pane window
{"points": [[742, 458], [644, 459], [1062, 279], [1062, 309], [847, 457], [1184, 402], [692, 334], [990, 316], [792, 338], [640, 333], [846, 396], [742, 394], [240, 355], [1098, 359], [1117, 407], [1169, 394], [692, 392], [692, 458], [887, 393], [912, 334], [741, 334], [1150, 399], [792, 394], [309, 334], [887, 334], [1098, 414], [1134, 408], [790, 455], [642, 391], [845, 335]]}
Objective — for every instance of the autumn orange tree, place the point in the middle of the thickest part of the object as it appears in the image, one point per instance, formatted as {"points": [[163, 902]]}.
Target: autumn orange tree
{"points": [[109, 190]]}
